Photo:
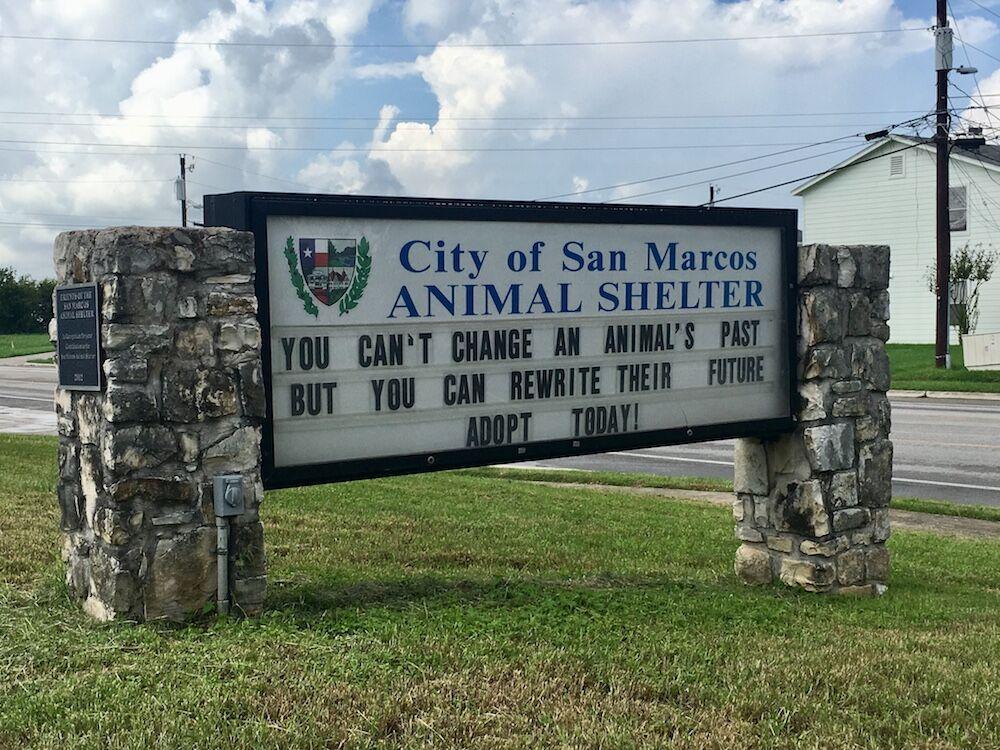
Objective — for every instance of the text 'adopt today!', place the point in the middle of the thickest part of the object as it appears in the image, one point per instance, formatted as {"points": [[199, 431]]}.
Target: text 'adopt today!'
{"points": [[426, 258]]}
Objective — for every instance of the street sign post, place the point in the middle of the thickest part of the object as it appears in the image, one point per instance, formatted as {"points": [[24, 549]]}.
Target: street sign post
{"points": [[407, 335]]}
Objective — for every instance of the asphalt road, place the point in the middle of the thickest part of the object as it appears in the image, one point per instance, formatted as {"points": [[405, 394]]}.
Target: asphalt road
{"points": [[944, 449]]}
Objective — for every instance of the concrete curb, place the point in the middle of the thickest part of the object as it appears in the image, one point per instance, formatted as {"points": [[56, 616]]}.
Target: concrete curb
{"points": [[971, 395]]}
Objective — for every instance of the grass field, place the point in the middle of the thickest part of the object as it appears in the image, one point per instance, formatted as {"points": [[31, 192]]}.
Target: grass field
{"points": [[16, 344], [913, 369], [461, 611]]}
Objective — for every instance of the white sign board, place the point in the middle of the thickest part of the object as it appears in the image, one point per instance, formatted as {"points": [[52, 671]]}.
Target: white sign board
{"points": [[415, 343]]}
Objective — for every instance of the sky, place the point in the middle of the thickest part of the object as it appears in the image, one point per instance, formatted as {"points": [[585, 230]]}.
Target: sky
{"points": [[468, 98]]}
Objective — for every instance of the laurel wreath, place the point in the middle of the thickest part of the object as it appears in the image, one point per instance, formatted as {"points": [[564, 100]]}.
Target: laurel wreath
{"points": [[297, 281], [362, 266]]}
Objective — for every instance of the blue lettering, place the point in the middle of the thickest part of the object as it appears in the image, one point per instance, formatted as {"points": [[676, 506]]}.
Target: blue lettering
{"points": [[577, 258], [654, 259], [404, 300], [404, 256]]}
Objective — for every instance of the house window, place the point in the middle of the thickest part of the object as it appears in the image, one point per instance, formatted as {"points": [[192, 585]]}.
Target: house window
{"points": [[896, 166], [958, 210]]}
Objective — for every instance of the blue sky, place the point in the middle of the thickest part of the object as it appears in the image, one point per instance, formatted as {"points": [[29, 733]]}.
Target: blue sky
{"points": [[445, 118]]}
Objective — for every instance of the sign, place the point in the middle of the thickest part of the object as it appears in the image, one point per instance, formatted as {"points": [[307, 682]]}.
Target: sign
{"points": [[406, 335], [78, 339]]}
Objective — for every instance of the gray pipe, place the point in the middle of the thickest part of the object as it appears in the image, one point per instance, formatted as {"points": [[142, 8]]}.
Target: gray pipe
{"points": [[222, 563]]}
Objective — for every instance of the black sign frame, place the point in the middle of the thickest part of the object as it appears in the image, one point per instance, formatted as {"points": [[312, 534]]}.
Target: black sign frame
{"points": [[65, 367], [249, 211]]}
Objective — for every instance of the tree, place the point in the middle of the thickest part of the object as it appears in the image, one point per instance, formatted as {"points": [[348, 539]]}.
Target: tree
{"points": [[25, 304], [972, 267]]}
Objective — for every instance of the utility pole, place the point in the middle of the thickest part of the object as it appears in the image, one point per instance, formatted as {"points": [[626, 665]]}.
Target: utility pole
{"points": [[180, 188], [942, 59], [711, 195]]}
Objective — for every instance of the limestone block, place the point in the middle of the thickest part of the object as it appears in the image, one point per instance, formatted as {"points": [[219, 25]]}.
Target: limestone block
{"points": [[195, 341], [816, 265], [843, 490], [181, 575], [850, 518], [223, 304], [747, 533], [873, 266], [877, 563], [187, 307], [780, 543], [739, 512], [138, 447], [753, 565], [252, 394], [216, 394], [750, 467], [846, 267], [71, 506], [236, 337], [814, 400], [855, 405], [787, 462], [825, 361], [827, 548], [880, 518], [880, 307], [241, 450], [126, 369], [114, 304], [143, 339], [870, 363], [811, 575], [830, 447], [180, 395], [129, 403], [112, 586], [804, 511], [851, 567], [859, 322], [761, 511], [822, 316], [875, 473], [174, 492], [846, 387]]}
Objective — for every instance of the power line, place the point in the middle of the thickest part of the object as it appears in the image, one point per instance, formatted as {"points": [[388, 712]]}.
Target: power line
{"points": [[816, 174], [352, 150], [78, 182], [725, 164], [416, 127], [991, 12], [981, 51], [729, 176], [259, 174], [438, 118], [452, 45]]}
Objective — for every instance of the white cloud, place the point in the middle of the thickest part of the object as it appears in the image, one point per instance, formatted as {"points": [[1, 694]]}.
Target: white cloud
{"points": [[482, 97]]}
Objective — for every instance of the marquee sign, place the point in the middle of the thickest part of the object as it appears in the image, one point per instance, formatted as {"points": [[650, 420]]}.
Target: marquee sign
{"points": [[405, 335]]}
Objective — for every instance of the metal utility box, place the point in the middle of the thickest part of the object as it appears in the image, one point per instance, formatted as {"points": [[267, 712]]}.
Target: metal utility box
{"points": [[981, 351]]}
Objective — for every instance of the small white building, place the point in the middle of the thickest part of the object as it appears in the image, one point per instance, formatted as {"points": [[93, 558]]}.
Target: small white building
{"points": [[890, 201]]}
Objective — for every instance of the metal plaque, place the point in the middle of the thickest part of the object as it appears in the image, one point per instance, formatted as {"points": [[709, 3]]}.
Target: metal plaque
{"points": [[78, 336]]}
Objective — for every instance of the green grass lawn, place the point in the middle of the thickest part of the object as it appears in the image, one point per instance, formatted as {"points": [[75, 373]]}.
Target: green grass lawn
{"points": [[464, 611], [16, 344], [913, 369]]}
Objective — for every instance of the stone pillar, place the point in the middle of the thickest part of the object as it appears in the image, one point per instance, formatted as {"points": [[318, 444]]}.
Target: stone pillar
{"points": [[183, 401], [812, 505]]}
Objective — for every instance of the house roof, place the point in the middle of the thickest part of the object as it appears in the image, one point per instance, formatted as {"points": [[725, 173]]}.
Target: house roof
{"points": [[987, 156]]}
